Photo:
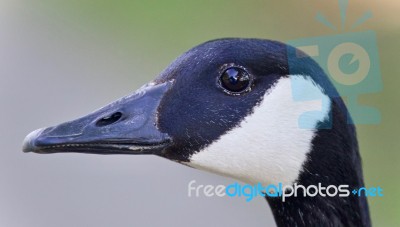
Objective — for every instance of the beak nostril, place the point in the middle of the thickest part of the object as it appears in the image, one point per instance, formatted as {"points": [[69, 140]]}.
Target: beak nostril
{"points": [[108, 120]]}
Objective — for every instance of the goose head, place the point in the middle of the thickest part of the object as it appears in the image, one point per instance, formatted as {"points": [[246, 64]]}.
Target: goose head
{"points": [[240, 108]]}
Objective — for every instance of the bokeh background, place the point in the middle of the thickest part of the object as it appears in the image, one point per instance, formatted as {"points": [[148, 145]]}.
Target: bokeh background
{"points": [[62, 59]]}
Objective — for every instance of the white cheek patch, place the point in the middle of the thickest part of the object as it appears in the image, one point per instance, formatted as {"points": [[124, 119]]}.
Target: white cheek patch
{"points": [[268, 146]]}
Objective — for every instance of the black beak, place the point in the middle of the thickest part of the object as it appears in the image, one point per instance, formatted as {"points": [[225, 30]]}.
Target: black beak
{"points": [[126, 126]]}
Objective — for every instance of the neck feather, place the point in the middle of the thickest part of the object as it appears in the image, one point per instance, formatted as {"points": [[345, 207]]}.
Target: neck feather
{"points": [[334, 160]]}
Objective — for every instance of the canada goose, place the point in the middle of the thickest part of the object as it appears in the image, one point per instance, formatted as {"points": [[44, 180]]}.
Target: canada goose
{"points": [[227, 106]]}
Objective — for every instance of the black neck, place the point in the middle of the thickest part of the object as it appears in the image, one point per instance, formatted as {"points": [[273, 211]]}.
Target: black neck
{"points": [[334, 160], [320, 211]]}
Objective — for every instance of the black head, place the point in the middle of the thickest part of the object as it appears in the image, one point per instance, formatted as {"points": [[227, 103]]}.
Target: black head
{"points": [[230, 106], [217, 84], [203, 94]]}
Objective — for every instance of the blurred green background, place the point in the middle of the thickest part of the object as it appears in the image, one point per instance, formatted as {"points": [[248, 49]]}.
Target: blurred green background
{"points": [[135, 40]]}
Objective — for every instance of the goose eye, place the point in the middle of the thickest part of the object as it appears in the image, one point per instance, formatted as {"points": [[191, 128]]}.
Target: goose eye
{"points": [[235, 80]]}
